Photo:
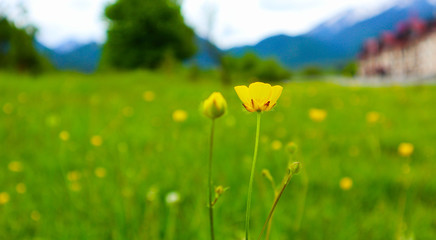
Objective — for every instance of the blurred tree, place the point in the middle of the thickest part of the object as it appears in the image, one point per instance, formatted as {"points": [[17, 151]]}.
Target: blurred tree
{"points": [[350, 70], [251, 66], [312, 71], [141, 33], [17, 50]]}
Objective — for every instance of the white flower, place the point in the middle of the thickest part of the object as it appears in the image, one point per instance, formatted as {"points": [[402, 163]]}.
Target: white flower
{"points": [[172, 198]]}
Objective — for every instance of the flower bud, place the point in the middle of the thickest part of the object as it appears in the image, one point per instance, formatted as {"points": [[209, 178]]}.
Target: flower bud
{"points": [[295, 167], [214, 106], [219, 190]]}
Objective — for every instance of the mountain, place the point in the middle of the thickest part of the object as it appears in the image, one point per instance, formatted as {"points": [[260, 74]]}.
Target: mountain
{"points": [[291, 51], [73, 56], [339, 39]]}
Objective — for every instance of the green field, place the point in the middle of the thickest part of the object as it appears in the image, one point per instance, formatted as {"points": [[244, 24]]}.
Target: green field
{"points": [[88, 157]]}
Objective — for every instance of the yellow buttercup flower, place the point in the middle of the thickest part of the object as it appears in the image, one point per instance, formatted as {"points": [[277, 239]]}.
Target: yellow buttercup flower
{"points": [[372, 117], [259, 96], [276, 145], [346, 183], [96, 140], [317, 115], [15, 166], [180, 115], [405, 149], [214, 106]]}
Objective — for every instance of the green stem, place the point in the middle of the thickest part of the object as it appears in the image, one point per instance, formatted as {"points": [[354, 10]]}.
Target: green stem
{"points": [[275, 204], [250, 185], [212, 235]]}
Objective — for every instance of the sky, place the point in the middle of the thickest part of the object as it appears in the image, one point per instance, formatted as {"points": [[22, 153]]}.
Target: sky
{"points": [[228, 23]]}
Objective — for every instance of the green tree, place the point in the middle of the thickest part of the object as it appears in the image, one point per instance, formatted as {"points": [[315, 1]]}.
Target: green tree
{"points": [[142, 33], [351, 69], [17, 50]]}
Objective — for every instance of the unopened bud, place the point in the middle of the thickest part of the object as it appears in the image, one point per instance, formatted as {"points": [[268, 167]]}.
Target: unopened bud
{"points": [[294, 167], [214, 106], [219, 190], [291, 148]]}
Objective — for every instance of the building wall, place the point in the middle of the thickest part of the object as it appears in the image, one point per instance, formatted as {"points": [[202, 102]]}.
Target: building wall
{"points": [[417, 58]]}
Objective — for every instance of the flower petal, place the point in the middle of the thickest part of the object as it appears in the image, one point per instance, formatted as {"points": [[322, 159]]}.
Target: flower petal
{"points": [[244, 95], [276, 91], [260, 92]]}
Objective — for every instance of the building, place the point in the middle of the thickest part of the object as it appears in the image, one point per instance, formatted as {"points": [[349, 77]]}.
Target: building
{"points": [[409, 52]]}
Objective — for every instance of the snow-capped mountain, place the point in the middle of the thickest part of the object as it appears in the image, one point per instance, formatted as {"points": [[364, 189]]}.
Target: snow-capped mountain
{"points": [[68, 46], [354, 16], [340, 38]]}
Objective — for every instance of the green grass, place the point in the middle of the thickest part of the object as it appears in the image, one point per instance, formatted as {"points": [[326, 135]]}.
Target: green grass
{"points": [[144, 152]]}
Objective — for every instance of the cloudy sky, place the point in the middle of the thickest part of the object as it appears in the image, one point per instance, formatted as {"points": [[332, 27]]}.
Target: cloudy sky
{"points": [[228, 22]]}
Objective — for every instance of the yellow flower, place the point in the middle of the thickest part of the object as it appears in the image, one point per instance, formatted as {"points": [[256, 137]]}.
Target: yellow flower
{"points": [[276, 145], [259, 96], [405, 149], [73, 176], [4, 198], [96, 141], [21, 188], [15, 166], [100, 172], [7, 108], [372, 117], [317, 115], [128, 111], [35, 216], [64, 135], [148, 96], [180, 115], [214, 106], [75, 187], [346, 183]]}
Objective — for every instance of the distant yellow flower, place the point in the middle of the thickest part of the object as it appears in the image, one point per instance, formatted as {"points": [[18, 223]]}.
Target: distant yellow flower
{"points": [[21, 188], [35, 216], [317, 115], [128, 111], [180, 115], [7, 108], [259, 96], [405, 149], [148, 96], [22, 97], [4, 198], [276, 145], [96, 140], [64, 135], [372, 117], [346, 183], [15, 166], [73, 176], [214, 106], [100, 172], [75, 187]]}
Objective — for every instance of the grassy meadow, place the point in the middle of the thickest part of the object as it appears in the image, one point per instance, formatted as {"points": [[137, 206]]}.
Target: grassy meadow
{"points": [[124, 156]]}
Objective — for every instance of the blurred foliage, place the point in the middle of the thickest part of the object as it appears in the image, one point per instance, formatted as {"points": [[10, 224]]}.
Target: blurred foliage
{"points": [[312, 71], [145, 33], [17, 49], [351, 69], [251, 66]]}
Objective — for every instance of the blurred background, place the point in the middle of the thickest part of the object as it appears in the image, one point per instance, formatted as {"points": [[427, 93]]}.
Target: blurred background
{"points": [[101, 136]]}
